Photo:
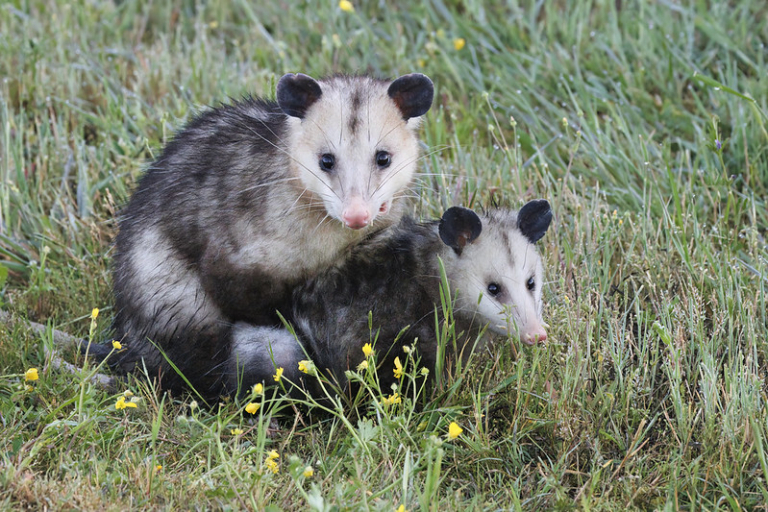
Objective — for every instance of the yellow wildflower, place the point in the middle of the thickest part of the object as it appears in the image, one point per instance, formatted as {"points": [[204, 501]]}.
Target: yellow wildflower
{"points": [[252, 407], [459, 43], [398, 371], [308, 367], [278, 375], [258, 389], [308, 472], [158, 467], [116, 345], [367, 350], [271, 461], [393, 399], [94, 313], [406, 349], [31, 374], [122, 404], [236, 431], [362, 366], [401, 508], [346, 6], [454, 430], [272, 465]]}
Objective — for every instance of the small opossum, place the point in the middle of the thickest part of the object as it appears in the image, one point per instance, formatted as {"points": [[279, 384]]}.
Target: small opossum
{"points": [[490, 261], [249, 200]]}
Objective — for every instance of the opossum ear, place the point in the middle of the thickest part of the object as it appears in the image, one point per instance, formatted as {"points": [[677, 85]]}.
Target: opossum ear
{"points": [[412, 94], [296, 93], [459, 227], [533, 219]]}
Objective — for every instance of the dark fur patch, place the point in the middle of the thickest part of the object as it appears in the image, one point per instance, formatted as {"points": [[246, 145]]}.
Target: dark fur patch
{"points": [[296, 93], [412, 94], [354, 112], [534, 218]]}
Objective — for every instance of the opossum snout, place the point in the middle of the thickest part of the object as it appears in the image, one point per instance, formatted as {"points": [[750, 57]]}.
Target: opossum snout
{"points": [[533, 335], [356, 214]]}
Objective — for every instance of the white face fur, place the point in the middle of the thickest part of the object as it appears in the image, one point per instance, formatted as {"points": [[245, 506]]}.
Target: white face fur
{"points": [[355, 149], [499, 279]]}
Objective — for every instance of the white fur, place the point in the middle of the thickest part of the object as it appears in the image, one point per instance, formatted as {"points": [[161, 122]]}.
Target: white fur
{"points": [[488, 259], [156, 267], [356, 176], [253, 343]]}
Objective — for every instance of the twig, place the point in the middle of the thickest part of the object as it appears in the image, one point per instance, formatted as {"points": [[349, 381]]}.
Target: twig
{"points": [[61, 341]]}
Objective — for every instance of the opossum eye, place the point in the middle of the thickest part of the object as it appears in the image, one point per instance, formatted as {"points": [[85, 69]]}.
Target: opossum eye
{"points": [[531, 284], [327, 161], [494, 289], [383, 159]]}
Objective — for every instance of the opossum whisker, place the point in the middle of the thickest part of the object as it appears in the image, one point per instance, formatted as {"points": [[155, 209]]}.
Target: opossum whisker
{"points": [[290, 157]]}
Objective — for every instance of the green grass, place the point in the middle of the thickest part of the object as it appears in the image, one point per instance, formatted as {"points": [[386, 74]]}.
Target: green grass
{"points": [[643, 123]]}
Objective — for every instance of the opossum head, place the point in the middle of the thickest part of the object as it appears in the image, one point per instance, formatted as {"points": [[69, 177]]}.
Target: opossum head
{"points": [[353, 140], [494, 265]]}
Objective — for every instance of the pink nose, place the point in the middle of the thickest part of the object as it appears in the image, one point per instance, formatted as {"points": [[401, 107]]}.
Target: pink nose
{"points": [[535, 335], [356, 215]]}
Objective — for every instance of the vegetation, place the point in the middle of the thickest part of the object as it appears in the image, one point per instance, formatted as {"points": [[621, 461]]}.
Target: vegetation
{"points": [[643, 123]]}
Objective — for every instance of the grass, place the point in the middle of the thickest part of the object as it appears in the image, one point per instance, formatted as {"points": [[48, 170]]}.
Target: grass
{"points": [[644, 124]]}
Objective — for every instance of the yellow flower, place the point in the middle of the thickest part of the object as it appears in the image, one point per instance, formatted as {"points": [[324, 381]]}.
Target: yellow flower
{"points": [[236, 431], [272, 465], [362, 366], [303, 366], [258, 389], [158, 467], [401, 508], [308, 367], [393, 399], [308, 472], [94, 313], [454, 430], [278, 375], [122, 404], [406, 349], [398, 371], [116, 345], [346, 6], [31, 374], [459, 43], [271, 461], [367, 350], [252, 407]]}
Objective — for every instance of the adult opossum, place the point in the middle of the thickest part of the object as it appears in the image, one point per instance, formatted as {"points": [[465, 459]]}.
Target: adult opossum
{"points": [[490, 261], [249, 200]]}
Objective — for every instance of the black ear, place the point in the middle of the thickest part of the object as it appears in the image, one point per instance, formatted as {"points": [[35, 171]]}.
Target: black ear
{"points": [[296, 93], [459, 227], [412, 94], [533, 219]]}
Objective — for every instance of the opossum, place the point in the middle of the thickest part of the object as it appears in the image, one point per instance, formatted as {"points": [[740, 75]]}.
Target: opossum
{"points": [[249, 200], [490, 261]]}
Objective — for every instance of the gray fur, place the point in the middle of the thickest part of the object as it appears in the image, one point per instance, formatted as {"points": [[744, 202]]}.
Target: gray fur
{"points": [[235, 212], [395, 275]]}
